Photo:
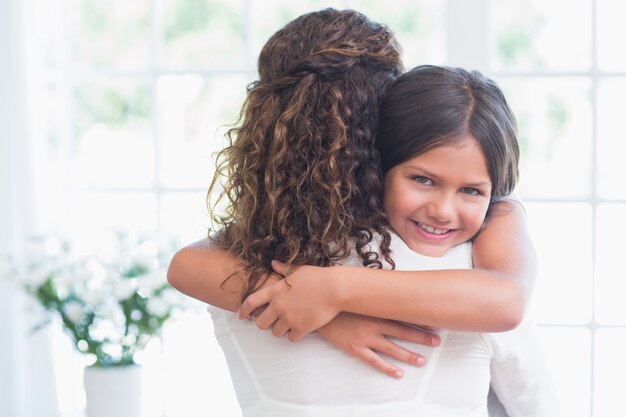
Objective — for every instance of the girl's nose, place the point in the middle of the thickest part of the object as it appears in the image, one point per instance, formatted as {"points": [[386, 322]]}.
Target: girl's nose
{"points": [[442, 208]]}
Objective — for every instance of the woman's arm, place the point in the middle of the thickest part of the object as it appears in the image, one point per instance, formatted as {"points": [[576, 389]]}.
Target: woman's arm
{"points": [[200, 270], [490, 297]]}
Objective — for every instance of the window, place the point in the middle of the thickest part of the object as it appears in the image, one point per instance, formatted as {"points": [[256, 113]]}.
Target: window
{"points": [[563, 76], [134, 97]]}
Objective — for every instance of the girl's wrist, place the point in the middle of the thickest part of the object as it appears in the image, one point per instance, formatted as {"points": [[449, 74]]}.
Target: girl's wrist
{"points": [[339, 283]]}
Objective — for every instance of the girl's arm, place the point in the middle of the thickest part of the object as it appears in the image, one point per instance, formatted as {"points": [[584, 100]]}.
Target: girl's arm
{"points": [[491, 297], [199, 270], [504, 247]]}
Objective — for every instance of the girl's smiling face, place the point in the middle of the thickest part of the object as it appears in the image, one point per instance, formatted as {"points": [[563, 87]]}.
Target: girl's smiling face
{"points": [[439, 199]]}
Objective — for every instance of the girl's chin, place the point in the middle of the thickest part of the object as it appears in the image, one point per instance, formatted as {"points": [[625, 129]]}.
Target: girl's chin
{"points": [[435, 251]]}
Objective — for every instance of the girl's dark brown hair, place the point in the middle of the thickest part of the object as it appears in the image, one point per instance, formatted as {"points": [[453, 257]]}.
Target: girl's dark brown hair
{"points": [[431, 106], [301, 178]]}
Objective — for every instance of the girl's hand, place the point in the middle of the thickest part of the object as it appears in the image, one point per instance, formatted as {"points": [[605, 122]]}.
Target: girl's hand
{"points": [[365, 338], [298, 305]]}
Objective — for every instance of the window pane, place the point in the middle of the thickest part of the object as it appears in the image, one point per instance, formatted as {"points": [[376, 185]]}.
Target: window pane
{"points": [[610, 368], [611, 138], [113, 135], [203, 34], [48, 156], [184, 216], [269, 16], [533, 35], [194, 114], [563, 287], [610, 267], [94, 217], [50, 118], [568, 353], [109, 34], [418, 26], [555, 133], [611, 34], [47, 27]]}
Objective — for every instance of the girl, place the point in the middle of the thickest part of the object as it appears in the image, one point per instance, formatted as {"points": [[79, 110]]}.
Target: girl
{"points": [[447, 142], [303, 185], [426, 108]]}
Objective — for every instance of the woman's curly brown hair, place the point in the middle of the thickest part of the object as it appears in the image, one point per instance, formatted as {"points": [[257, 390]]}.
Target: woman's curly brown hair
{"points": [[301, 177]]}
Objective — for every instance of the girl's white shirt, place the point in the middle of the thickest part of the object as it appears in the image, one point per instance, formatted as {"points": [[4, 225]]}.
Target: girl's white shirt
{"points": [[274, 377]]}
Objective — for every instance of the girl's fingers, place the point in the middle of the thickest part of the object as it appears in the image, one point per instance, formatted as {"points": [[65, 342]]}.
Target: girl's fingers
{"points": [[375, 360], [257, 311], [411, 334], [254, 301], [280, 267], [295, 336], [429, 328], [400, 353], [280, 328], [266, 319]]}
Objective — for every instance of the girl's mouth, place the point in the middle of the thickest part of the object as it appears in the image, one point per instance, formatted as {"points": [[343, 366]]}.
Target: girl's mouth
{"points": [[431, 229]]}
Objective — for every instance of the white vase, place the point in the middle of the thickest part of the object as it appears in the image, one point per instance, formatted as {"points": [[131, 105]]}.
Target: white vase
{"points": [[113, 391]]}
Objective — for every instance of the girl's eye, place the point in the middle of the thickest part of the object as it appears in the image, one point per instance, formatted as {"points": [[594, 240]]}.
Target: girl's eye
{"points": [[471, 191], [423, 180]]}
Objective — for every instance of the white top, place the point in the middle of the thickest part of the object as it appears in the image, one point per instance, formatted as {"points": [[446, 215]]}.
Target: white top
{"points": [[274, 377]]}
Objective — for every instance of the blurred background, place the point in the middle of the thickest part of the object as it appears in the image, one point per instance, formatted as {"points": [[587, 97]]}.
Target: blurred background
{"points": [[110, 112]]}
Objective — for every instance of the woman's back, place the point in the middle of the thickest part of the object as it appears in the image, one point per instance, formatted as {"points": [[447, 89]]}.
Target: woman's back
{"points": [[274, 377]]}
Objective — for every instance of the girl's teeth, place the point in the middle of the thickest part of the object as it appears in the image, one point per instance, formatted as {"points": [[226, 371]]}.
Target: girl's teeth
{"points": [[432, 230]]}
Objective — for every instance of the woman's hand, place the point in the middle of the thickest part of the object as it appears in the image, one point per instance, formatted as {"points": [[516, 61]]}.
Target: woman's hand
{"points": [[298, 305], [365, 338]]}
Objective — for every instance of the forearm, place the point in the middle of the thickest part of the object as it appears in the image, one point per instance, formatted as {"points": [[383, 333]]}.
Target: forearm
{"points": [[490, 297], [469, 300], [200, 270]]}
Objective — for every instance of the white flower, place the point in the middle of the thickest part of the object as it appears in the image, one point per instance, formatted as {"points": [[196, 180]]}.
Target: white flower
{"points": [[94, 295], [123, 289], [53, 247], [157, 307], [113, 272], [152, 281], [112, 349], [102, 329], [93, 269], [62, 284], [37, 276], [170, 297], [150, 248], [66, 282], [91, 286], [111, 312], [74, 311], [143, 259]]}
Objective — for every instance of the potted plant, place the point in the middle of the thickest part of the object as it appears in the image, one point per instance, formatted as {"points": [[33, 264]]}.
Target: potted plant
{"points": [[109, 304]]}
